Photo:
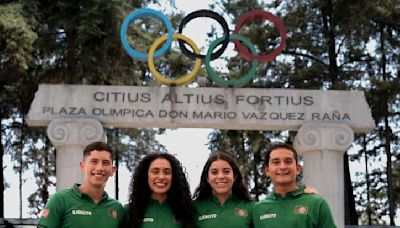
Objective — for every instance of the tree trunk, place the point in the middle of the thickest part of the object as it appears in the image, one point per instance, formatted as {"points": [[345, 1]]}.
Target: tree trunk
{"points": [[350, 214], [2, 171], [20, 188], [256, 160], [389, 169], [329, 30], [71, 69], [21, 164], [46, 171], [387, 129], [367, 181], [116, 163]]}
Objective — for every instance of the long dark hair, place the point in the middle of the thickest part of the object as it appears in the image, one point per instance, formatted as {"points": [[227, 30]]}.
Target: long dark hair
{"points": [[178, 196], [239, 189]]}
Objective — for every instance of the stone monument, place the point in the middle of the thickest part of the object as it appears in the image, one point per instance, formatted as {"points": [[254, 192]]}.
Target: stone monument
{"points": [[325, 120]]}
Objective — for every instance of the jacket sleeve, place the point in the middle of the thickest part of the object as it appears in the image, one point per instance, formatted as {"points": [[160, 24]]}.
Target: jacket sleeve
{"points": [[52, 214], [325, 216]]}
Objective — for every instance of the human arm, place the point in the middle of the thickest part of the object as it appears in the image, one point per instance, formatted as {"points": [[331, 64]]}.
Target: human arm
{"points": [[325, 219], [123, 222], [52, 214]]}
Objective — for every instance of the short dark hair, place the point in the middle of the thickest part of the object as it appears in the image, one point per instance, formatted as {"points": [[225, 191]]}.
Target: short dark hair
{"points": [[97, 146], [280, 146]]}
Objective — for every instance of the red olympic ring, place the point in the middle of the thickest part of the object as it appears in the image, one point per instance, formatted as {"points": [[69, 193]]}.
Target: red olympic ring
{"points": [[260, 14]]}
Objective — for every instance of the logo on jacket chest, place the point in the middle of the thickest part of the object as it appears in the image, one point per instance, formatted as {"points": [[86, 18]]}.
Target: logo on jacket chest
{"points": [[81, 212], [209, 216], [303, 210]]}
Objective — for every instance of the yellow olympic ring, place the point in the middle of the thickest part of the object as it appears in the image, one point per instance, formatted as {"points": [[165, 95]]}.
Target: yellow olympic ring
{"points": [[183, 79]]}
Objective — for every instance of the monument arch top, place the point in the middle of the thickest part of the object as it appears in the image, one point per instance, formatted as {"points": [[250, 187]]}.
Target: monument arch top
{"points": [[179, 107]]}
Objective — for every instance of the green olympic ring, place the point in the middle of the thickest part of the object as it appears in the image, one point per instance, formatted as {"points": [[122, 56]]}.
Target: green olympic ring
{"points": [[233, 82]]}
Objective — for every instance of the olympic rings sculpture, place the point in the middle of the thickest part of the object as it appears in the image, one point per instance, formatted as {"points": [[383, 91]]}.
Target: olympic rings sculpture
{"points": [[243, 45]]}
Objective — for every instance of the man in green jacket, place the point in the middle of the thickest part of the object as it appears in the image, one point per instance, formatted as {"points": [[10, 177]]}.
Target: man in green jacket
{"points": [[288, 206], [86, 204]]}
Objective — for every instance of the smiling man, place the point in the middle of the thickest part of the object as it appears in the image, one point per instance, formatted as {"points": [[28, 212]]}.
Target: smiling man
{"points": [[86, 204], [288, 206]]}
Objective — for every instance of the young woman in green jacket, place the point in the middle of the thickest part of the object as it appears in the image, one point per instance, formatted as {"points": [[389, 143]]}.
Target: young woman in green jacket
{"points": [[159, 194], [222, 198]]}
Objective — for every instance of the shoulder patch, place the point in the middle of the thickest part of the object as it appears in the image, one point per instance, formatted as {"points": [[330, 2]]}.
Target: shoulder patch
{"points": [[301, 210], [241, 212], [45, 213]]}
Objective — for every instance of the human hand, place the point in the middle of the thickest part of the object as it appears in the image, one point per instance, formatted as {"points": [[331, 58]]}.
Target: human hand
{"points": [[310, 190]]}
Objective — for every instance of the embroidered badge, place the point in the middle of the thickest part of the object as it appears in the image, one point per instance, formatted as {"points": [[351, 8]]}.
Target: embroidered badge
{"points": [[45, 213], [240, 212], [301, 210], [113, 213]]}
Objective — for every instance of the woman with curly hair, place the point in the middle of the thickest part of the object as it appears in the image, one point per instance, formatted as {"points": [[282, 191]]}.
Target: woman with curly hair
{"points": [[222, 198], [159, 194]]}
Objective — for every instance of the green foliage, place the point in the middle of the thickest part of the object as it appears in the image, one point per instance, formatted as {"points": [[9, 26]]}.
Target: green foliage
{"points": [[349, 45], [72, 42], [42, 162], [16, 40]]}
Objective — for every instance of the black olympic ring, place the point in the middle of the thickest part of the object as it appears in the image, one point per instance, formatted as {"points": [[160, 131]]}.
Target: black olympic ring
{"points": [[210, 14]]}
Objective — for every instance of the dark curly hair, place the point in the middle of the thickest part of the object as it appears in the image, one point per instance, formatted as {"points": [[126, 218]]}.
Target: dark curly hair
{"points": [[178, 196], [239, 189]]}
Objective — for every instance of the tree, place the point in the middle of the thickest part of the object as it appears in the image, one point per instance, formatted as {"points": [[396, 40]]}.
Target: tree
{"points": [[382, 28], [16, 44], [75, 42], [42, 159], [328, 48]]}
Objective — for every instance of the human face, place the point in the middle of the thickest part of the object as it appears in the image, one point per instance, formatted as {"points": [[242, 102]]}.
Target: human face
{"points": [[159, 178], [221, 178], [282, 168], [97, 167]]}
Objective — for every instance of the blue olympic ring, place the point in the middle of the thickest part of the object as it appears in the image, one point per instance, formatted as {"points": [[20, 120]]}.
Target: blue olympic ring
{"points": [[143, 13]]}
